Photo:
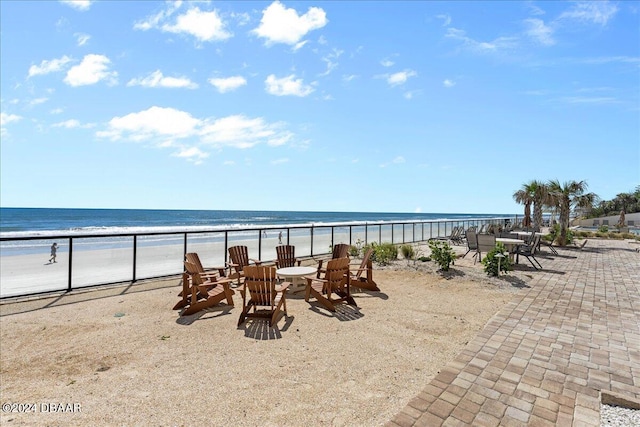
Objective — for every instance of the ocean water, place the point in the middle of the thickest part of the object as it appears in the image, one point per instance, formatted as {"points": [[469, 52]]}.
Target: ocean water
{"points": [[27, 222]]}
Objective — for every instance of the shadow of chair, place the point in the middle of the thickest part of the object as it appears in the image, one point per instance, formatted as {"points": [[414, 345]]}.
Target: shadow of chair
{"points": [[262, 296], [334, 287], [366, 281], [238, 260], [203, 293], [286, 256], [486, 242]]}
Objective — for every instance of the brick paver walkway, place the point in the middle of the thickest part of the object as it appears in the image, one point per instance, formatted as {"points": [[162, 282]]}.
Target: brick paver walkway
{"points": [[543, 359]]}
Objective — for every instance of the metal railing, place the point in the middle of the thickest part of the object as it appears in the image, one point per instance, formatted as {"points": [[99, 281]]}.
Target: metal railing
{"points": [[102, 259]]}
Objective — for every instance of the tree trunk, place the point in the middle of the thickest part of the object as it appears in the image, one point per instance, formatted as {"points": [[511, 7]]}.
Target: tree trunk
{"points": [[565, 210]]}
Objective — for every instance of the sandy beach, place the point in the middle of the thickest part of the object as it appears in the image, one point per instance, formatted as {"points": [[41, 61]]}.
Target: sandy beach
{"points": [[122, 356]]}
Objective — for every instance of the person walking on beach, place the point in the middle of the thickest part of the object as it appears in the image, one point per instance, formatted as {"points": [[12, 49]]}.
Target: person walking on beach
{"points": [[280, 238], [54, 249]]}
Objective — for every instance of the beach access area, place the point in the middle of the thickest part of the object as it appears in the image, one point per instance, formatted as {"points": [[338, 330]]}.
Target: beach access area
{"points": [[534, 347], [86, 260]]}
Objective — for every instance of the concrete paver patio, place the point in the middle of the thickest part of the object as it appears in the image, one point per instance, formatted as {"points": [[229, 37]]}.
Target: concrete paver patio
{"points": [[543, 359]]}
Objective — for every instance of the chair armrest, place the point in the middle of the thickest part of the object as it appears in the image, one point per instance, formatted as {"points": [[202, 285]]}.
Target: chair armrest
{"points": [[282, 286]]}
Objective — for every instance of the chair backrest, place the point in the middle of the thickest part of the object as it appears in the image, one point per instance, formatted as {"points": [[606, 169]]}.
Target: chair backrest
{"points": [[596, 222], [337, 275], [340, 250], [192, 269], [366, 260], [486, 242], [605, 222], [239, 255], [631, 223], [193, 258], [286, 256], [260, 281], [472, 240], [535, 243]]}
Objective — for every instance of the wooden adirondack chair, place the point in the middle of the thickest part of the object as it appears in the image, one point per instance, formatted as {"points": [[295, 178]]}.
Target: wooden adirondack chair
{"points": [[203, 293], [286, 256], [333, 288], [239, 259], [340, 250], [205, 274], [366, 282], [263, 294]]}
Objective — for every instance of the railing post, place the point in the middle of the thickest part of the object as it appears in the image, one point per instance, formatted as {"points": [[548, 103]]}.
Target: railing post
{"points": [[366, 233], [332, 243], [226, 247], [311, 233], [69, 279], [350, 230], [135, 256], [259, 244], [380, 234]]}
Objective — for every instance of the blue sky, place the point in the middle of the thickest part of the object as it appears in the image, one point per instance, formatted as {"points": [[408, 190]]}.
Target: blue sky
{"points": [[332, 106]]}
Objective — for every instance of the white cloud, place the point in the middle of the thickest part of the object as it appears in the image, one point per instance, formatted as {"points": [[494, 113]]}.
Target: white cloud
{"points": [[287, 86], [47, 67], [243, 132], [446, 19], [597, 12], [78, 4], [387, 63], [499, 44], [192, 154], [539, 32], [228, 84], [37, 101], [152, 123], [400, 77], [69, 124], [82, 39], [448, 83], [157, 79], [205, 26], [57, 111], [91, 70], [168, 127], [72, 124], [398, 160], [282, 25], [5, 118], [331, 60]]}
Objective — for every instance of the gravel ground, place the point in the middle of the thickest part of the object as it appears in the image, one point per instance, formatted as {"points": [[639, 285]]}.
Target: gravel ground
{"points": [[618, 416]]}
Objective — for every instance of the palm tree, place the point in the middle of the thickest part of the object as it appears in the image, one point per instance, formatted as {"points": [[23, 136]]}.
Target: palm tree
{"points": [[524, 196], [540, 199], [564, 196]]}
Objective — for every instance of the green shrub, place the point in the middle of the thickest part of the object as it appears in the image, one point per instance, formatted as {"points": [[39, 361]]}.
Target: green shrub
{"points": [[384, 253], [424, 258], [493, 265], [354, 251], [442, 253], [603, 229], [407, 251]]}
